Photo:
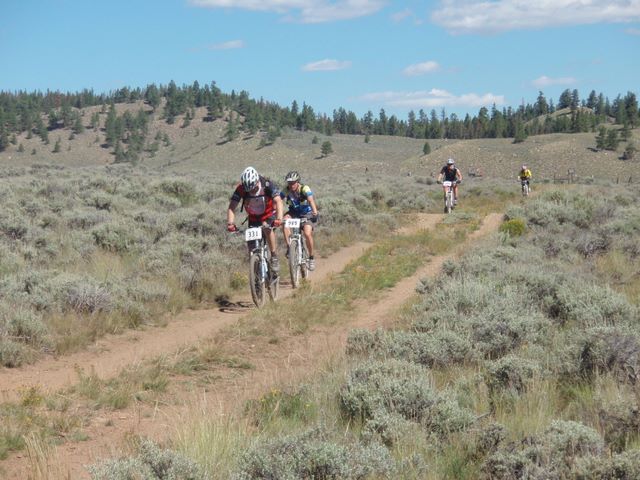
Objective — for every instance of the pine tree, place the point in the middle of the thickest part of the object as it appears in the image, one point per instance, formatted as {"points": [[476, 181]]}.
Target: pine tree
{"points": [[520, 135], [612, 140], [78, 127], [565, 99], [232, 129], [4, 139], [601, 138], [326, 148], [58, 146], [426, 149]]}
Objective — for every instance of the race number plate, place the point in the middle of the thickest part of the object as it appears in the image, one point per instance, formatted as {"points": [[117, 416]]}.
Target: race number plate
{"points": [[446, 184], [253, 234], [292, 223]]}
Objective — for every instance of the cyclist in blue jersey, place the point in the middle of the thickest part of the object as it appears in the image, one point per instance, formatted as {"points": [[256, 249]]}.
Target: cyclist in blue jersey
{"points": [[301, 202]]}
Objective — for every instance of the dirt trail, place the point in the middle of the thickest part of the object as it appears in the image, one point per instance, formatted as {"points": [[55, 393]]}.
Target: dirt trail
{"points": [[111, 354], [289, 362]]}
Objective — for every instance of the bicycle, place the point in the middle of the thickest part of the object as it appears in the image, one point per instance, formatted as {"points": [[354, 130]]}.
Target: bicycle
{"points": [[298, 256], [449, 202], [525, 188], [263, 280]]}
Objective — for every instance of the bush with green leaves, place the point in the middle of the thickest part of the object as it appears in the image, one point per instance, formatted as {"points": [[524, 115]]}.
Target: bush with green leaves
{"points": [[312, 454], [515, 227]]}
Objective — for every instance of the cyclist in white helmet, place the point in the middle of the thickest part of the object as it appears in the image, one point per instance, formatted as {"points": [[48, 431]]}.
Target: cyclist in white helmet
{"points": [[451, 174], [261, 199]]}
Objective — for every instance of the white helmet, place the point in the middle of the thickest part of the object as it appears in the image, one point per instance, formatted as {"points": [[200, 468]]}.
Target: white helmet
{"points": [[249, 178], [450, 161], [524, 167]]}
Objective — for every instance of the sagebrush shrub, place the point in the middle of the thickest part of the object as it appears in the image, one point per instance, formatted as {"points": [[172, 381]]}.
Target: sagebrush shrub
{"points": [[623, 466], [312, 454], [545, 456], [510, 374], [151, 463]]}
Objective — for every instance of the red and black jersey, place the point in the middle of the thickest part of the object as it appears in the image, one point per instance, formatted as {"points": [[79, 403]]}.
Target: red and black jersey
{"points": [[259, 205]]}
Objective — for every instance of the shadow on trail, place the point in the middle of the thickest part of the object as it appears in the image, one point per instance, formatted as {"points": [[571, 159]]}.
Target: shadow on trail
{"points": [[227, 306]]}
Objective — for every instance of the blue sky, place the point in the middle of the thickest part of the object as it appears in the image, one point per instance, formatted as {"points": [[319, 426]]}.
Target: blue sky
{"points": [[357, 54]]}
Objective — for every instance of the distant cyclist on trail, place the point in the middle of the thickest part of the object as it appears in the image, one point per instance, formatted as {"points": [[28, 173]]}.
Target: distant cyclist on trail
{"points": [[261, 199], [525, 175], [450, 173], [302, 205]]}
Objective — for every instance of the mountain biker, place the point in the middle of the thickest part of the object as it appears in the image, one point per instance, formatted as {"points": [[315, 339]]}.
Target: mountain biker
{"points": [[302, 205], [525, 175], [451, 174], [261, 199]]}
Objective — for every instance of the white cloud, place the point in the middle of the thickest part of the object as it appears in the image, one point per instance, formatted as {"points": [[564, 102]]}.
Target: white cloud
{"points": [[401, 15], [305, 11], [432, 99], [421, 68], [326, 65], [482, 16], [227, 45], [545, 81]]}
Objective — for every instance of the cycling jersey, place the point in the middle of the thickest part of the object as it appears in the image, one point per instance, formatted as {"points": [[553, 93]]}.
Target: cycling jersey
{"points": [[259, 206], [525, 174], [449, 175], [298, 201]]}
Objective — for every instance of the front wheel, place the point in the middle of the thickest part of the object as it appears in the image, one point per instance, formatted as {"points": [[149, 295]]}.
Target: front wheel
{"points": [[273, 282], [304, 257], [448, 202], [294, 269], [525, 190], [256, 281]]}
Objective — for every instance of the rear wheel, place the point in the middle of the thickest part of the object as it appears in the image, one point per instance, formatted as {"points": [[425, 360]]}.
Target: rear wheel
{"points": [[256, 282], [293, 264]]}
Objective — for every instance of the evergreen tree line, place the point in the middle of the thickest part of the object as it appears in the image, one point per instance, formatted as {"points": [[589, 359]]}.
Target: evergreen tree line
{"points": [[27, 112]]}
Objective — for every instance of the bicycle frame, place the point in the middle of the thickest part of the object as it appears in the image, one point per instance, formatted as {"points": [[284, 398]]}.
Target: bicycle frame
{"points": [[297, 251], [261, 277], [448, 196]]}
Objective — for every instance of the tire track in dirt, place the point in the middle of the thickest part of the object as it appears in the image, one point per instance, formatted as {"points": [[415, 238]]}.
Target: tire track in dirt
{"points": [[109, 355], [289, 362]]}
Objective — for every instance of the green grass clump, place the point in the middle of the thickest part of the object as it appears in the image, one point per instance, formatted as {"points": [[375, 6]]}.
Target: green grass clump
{"points": [[514, 227]]}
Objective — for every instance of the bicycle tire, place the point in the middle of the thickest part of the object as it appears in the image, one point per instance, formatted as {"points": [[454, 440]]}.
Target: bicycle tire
{"points": [[525, 190], [256, 282], [448, 202], [304, 270], [273, 283], [294, 269]]}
